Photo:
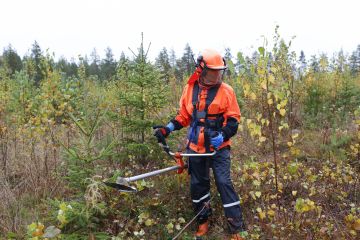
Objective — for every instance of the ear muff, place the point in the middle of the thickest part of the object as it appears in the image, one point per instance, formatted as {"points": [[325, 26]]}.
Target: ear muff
{"points": [[199, 60], [203, 67], [224, 62]]}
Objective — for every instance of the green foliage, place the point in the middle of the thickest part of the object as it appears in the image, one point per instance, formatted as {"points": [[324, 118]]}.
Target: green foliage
{"points": [[330, 96], [163, 64], [83, 155], [11, 60], [142, 94], [78, 216], [38, 63], [302, 205], [67, 126], [108, 65], [185, 65]]}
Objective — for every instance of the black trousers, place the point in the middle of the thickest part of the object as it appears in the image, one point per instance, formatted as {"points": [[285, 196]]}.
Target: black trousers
{"points": [[200, 188]]}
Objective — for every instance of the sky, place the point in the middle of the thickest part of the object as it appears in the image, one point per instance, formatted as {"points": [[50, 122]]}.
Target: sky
{"points": [[71, 28]]}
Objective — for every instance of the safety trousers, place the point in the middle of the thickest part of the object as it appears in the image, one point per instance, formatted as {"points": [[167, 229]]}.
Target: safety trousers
{"points": [[200, 188]]}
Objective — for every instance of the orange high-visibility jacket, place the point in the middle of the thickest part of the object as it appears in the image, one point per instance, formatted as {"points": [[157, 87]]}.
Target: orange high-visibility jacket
{"points": [[224, 102]]}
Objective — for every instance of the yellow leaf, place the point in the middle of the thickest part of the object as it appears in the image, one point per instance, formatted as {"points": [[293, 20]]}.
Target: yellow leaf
{"points": [[170, 228], [294, 193], [148, 222], [256, 183], [40, 226], [282, 112], [276, 96], [262, 139], [271, 212], [37, 233], [271, 78], [252, 195], [306, 208], [258, 194], [289, 144], [258, 116], [283, 103], [357, 225], [63, 206], [252, 96], [246, 89], [256, 175], [270, 101], [262, 215], [295, 135], [246, 86], [263, 85]]}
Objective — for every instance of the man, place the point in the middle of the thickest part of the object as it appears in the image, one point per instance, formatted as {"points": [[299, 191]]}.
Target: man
{"points": [[210, 108]]}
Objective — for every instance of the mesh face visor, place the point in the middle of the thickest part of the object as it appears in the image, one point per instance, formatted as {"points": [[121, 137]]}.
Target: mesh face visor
{"points": [[212, 77]]}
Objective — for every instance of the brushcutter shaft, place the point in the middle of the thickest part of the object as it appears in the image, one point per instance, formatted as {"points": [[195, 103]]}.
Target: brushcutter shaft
{"points": [[122, 184], [150, 174]]}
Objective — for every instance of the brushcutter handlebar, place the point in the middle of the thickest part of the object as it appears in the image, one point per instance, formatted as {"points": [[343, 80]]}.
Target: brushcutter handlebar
{"points": [[194, 154], [168, 151]]}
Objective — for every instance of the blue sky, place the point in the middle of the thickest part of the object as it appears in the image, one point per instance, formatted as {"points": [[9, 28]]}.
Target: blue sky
{"points": [[70, 28]]}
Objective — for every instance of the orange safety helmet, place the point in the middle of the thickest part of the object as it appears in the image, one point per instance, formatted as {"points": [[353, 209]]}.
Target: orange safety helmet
{"points": [[211, 59], [208, 59]]}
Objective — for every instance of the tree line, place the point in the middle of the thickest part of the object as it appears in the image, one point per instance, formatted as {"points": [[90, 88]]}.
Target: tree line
{"points": [[104, 69]]}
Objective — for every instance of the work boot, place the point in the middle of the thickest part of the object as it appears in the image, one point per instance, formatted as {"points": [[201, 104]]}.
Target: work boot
{"points": [[236, 237], [203, 228]]}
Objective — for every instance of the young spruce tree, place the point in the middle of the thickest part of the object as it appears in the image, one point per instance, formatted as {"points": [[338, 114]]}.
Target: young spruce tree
{"points": [[142, 94]]}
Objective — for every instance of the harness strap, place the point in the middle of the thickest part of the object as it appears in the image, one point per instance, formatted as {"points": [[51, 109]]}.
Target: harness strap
{"points": [[195, 96], [197, 115], [210, 97]]}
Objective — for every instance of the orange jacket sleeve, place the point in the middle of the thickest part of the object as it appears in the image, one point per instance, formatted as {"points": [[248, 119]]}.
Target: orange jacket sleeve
{"points": [[232, 116], [233, 109]]}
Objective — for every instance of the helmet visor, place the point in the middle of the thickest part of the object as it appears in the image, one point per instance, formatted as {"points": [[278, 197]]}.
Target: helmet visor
{"points": [[212, 77]]}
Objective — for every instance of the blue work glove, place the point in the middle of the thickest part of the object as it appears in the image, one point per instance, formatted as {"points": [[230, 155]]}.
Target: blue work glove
{"points": [[162, 132], [217, 140], [171, 126]]}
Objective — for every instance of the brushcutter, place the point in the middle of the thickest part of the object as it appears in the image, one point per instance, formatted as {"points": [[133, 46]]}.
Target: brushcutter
{"points": [[123, 184]]}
